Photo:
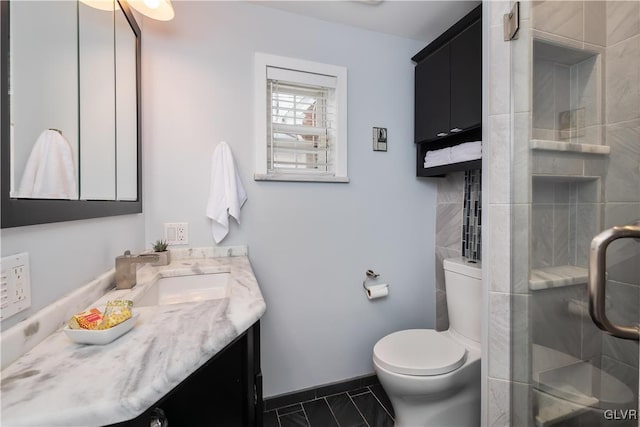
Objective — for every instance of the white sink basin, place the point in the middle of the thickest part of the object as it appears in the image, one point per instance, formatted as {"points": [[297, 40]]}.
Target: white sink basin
{"points": [[178, 289]]}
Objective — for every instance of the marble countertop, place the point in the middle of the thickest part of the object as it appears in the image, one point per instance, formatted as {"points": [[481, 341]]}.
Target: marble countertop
{"points": [[61, 383]]}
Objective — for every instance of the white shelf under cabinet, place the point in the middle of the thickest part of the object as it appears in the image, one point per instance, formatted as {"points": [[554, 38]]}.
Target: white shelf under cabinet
{"points": [[571, 147]]}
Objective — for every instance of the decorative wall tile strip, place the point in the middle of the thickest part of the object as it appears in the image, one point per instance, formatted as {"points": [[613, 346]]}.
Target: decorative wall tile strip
{"points": [[472, 215]]}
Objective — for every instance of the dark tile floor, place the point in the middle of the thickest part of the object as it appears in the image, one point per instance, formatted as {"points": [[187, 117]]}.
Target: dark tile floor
{"points": [[365, 407]]}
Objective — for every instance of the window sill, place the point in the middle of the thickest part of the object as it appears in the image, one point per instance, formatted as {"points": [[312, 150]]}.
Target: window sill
{"points": [[299, 178]]}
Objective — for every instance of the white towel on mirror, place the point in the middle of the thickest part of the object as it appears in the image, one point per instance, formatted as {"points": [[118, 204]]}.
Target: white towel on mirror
{"points": [[466, 152], [49, 172], [226, 193]]}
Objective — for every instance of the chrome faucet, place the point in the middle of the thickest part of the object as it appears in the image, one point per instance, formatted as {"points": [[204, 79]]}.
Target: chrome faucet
{"points": [[126, 268]]}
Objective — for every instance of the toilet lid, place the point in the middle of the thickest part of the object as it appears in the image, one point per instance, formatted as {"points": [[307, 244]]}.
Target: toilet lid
{"points": [[419, 352]]}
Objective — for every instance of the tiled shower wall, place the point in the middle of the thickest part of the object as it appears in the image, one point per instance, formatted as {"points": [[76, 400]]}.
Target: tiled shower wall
{"points": [[622, 182], [497, 165], [508, 185], [564, 96], [613, 100], [564, 218]]}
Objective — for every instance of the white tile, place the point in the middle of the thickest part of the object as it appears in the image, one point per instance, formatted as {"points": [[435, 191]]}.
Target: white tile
{"points": [[520, 248], [521, 65], [499, 176], [562, 87], [499, 245], [556, 39], [562, 18], [497, 10], [520, 339], [499, 72], [623, 177], [449, 225], [595, 28], [451, 188], [623, 21], [520, 173], [499, 335], [499, 405], [623, 81], [543, 95]]}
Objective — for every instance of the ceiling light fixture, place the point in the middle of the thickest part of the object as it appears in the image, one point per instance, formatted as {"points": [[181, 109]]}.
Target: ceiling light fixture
{"points": [[162, 10]]}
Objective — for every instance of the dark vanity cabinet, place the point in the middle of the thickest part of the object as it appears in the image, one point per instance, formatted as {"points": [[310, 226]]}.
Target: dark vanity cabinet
{"points": [[225, 391], [448, 92]]}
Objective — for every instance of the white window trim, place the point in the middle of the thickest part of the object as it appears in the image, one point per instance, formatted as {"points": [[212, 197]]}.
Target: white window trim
{"points": [[262, 60]]}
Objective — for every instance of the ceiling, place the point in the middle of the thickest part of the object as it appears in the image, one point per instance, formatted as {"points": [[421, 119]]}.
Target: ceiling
{"points": [[418, 20]]}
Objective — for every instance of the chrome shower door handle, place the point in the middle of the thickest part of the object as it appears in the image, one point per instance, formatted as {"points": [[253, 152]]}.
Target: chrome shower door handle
{"points": [[597, 280]]}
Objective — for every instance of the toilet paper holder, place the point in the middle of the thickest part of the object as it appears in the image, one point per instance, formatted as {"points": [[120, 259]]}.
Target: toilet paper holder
{"points": [[371, 275]]}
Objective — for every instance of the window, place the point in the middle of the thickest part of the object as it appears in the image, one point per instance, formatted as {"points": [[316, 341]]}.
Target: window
{"points": [[300, 120]]}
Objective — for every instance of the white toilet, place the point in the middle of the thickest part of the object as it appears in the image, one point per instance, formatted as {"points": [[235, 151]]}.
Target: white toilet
{"points": [[433, 378]]}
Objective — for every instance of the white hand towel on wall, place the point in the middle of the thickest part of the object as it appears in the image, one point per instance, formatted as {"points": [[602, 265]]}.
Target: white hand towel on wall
{"points": [[49, 172], [226, 193]]}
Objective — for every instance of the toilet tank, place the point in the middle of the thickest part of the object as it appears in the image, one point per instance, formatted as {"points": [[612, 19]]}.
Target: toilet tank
{"points": [[463, 283]]}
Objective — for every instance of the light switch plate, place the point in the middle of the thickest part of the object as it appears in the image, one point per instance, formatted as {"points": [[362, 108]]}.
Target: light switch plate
{"points": [[379, 139], [15, 294]]}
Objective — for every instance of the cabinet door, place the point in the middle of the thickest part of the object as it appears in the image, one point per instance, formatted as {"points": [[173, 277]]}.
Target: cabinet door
{"points": [[432, 97], [466, 78]]}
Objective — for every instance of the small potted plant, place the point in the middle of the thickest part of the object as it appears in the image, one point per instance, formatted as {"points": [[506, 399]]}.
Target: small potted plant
{"points": [[160, 249]]}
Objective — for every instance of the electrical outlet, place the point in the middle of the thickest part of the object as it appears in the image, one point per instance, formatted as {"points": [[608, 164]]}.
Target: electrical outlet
{"points": [[176, 233], [15, 294], [18, 280], [182, 233]]}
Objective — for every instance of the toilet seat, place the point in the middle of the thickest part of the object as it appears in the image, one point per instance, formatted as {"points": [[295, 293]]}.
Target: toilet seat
{"points": [[419, 352]]}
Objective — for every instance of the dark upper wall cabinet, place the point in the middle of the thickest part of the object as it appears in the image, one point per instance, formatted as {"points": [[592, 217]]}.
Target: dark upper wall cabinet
{"points": [[448, 91], [432, 96], [466, 78]]}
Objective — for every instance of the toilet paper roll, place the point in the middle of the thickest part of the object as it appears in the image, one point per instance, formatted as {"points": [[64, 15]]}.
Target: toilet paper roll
{"points": [[378, 291]]}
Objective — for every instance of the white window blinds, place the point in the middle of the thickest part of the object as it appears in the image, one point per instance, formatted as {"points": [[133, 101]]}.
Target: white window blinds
{"points": [[301, 121]]}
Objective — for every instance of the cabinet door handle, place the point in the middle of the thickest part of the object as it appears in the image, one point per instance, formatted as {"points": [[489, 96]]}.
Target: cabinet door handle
{"points": [[455, 130], [442, 134]]}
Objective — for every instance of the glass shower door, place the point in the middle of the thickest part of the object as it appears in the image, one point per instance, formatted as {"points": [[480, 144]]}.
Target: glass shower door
{"points": [[576, 172]]}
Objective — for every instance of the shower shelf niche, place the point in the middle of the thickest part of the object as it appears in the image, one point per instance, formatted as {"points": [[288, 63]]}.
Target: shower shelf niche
{"points": [[548, 145], [557, 276], [565, 215], [567, 103]]}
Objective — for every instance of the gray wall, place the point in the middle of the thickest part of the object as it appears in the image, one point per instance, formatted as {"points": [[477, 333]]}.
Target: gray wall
{"points": [[309, 243], [67, 255]]}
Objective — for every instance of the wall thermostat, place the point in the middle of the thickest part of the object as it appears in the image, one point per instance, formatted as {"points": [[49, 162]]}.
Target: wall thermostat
{"points": [[379, 139]]}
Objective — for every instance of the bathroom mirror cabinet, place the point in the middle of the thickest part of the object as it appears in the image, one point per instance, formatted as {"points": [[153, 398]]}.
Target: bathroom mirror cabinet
{"points": [[70, 108]]}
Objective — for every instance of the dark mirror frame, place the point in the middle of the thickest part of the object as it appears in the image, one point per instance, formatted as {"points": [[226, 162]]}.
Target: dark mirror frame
{"points": [[21, 212]]}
